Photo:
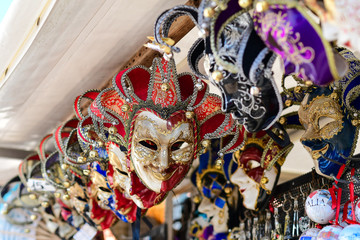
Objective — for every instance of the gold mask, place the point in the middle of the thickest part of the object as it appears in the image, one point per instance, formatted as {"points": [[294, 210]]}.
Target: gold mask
{"points": [[100, 190], [321, 118]]}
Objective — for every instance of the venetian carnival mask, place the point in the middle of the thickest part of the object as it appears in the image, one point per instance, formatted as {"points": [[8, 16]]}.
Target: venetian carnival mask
{"points": [[327, 114], [151, 124], [290, 31], [259, 169], [162, 149], [239, 63], [212, 180]]}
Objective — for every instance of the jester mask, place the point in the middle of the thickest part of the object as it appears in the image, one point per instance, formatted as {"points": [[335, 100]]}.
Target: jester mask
{"points": [[212, 180], [238, 62], [152, 123], [259, 168]]}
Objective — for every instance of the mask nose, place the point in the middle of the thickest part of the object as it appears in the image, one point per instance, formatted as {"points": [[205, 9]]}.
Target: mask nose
{"points": [[164, 158]]}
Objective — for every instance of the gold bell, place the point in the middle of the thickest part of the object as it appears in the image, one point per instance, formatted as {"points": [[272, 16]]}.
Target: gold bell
{"points": [[197, 199], [264, 180], [125, 107], [57, 195], [86, 172], [245, 3], [228, 190], [189, 115], [66, 197], [206, 143], [64, 166], [5, 211], [28, 189], [100, 143], [32, 196], [282, 120], [209, 12], [33, 217], [355, 122], [26, 230], [45, 204], [112, 130], [334, 95], [93, 154], [308, 83], [219, 163], [262, 6], [297, 89], [217, 76], [288, 103], [81, 159], [165, 87], [66, 184]]}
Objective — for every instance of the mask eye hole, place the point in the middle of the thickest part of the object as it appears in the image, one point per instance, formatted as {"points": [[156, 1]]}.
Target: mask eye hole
{"points": [[323, 121], [104, 189], [252, 164], [179, 145], [149, 144]]}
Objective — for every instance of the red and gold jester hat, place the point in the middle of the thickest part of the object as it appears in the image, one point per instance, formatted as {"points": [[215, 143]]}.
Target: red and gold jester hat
{"points": [[153, 121]]}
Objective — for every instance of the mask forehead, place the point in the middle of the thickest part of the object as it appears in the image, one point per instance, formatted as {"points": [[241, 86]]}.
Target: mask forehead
{"points": [[149, 125]]}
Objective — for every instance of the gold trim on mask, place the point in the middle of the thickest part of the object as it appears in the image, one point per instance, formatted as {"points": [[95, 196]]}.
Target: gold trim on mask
{"points": [[309, 115]]}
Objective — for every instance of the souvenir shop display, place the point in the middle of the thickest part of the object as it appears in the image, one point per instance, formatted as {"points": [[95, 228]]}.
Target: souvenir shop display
{"points": [[135, 142]]}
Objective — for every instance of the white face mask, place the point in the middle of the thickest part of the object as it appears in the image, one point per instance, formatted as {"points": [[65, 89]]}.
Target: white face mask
{"points": [[219, 217], [157, 151]]}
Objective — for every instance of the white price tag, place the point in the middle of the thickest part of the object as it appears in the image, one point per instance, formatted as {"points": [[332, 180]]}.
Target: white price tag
{"points": [[86, 232], [40, 185]]}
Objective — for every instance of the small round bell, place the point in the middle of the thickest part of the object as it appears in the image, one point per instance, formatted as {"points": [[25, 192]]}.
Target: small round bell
{"points": [[197, 199], [66, 197], [165, 87], [219, 163], [45, 204], [199, 86], [282, 120], [86, 172], [125, 107], [57, 195], [100, 143], [355, 122], [5, 211], [93, 154], [264, 180], [64, 166], [308, 83], [32, 196], [288, 103], [228, 190], [33, 217], [205, 143], [334, 96], [262, 6], [66, 184], [26, 230], [81, 159], [245, 3], [255, 91], [217, 76], [209, 12], [112, 130], [297, 89], [189, 115]]}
